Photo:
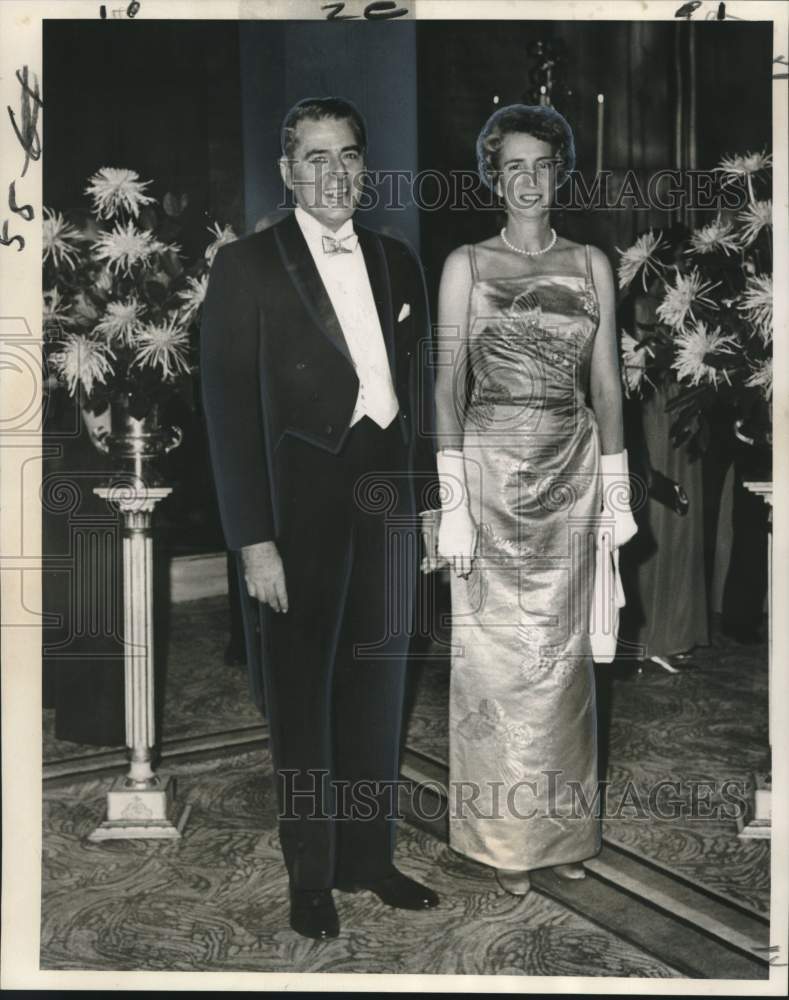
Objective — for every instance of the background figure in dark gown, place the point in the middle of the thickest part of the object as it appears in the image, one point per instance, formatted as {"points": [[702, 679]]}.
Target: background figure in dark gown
{"points": [[745, 589], [663, 568], [666, 611]]}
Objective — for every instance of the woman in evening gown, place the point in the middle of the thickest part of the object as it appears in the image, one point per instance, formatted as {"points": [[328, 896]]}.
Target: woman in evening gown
{"points": [[529, 414]]}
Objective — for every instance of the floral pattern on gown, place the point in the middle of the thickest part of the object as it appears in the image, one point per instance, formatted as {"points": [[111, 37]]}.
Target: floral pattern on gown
{"points": [[523, 754]]}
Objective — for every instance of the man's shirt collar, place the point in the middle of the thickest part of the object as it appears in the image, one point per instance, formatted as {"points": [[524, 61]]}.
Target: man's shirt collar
{"points": [[313, 230]]}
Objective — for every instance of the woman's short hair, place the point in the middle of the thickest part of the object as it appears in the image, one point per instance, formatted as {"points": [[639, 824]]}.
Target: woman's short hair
{"points": [[538, 120], [320, 109]]}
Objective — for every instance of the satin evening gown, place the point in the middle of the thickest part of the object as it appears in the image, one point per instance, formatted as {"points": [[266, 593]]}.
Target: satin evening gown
{"points": [[523, 753]]}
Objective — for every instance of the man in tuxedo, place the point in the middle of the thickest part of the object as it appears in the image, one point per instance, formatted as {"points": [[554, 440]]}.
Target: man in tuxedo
{"points": [[319, 412]]}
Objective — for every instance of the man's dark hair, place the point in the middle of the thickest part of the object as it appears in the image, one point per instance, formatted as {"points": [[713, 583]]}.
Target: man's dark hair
{"points": [[320, 109]]}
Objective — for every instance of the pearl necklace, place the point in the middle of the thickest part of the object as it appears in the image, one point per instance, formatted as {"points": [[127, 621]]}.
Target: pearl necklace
{"points": [[530, 253]]}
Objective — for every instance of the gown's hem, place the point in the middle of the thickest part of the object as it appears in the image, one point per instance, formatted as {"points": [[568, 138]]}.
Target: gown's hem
{"points": [[567, 859]]}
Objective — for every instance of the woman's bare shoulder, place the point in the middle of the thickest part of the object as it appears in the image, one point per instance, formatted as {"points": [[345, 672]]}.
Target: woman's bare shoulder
{"points": [[491, 243], [457, 262], [562, 243], [577, 251], [573, 251]]}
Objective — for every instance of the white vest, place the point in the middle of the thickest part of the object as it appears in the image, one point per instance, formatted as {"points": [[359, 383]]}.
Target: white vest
{"points": [[345, 278]]}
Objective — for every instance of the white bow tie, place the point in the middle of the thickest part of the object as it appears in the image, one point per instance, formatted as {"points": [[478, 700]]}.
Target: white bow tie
{"points": [[332, 245]]}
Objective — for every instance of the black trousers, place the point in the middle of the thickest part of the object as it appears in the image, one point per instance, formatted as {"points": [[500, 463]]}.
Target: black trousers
{"points": [[334, 664]]}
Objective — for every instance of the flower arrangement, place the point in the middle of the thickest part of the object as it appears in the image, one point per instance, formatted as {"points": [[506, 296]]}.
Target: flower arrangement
{"points": [[120, 302], [710, 292]]}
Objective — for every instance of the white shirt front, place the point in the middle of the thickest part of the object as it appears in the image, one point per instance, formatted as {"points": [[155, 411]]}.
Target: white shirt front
{"points": [[347, 283]]}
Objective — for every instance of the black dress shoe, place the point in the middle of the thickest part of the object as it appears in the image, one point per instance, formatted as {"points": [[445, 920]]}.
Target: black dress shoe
{"points": [[312, 913], [396, 890]]}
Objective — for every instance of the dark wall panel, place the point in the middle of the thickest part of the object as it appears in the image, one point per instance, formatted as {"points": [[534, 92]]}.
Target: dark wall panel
{"points": [[158, 97], [642, 68], [372, 65]]}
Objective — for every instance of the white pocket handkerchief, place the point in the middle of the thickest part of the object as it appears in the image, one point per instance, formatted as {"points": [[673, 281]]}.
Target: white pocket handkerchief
{"points": [[405, 312]]}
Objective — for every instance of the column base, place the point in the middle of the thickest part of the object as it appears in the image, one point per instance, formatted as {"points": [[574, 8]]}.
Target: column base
{"points": [[757, 822], [140, 813]]}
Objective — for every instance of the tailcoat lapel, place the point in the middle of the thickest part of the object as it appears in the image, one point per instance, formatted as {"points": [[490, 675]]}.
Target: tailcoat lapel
{"points": [[304, 274], [302, 270]]}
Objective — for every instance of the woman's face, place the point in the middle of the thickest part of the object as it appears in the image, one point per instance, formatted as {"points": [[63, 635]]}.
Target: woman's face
{"points": [[527, 174]]}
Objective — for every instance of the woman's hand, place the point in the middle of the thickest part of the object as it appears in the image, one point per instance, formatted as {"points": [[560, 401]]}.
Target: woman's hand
{"points": [[457, 533], [457, 539], [616, 497]]}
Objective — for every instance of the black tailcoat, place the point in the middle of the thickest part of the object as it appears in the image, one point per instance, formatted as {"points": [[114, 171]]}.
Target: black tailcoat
{"points": [[279, 390]]}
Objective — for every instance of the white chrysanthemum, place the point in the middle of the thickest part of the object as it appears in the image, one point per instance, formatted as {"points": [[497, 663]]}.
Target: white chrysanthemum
{"points": [[762, 378], [754, 218], [640, 255], [715, 236], [193, 296], [221, 237], [163, 346], [104, 280], [59, 238], [112, 190], [126, 246], [756, 304], [689, 290], [122, 320], [634, 364], [82, 360], [693, 348], [56, 312], [745, 165]]}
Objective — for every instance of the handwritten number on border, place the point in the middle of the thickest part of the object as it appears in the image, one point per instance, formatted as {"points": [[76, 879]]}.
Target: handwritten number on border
{"points": [[26, 131], [378, 10], [28, 135]]}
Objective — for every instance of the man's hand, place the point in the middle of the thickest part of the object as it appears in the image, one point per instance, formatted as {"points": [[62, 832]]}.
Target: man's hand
{"points": [[265, 575], [429, 521]]}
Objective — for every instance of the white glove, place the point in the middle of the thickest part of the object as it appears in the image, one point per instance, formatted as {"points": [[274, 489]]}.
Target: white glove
{"points": [[607, 600], [616, 497], [457, 533]]}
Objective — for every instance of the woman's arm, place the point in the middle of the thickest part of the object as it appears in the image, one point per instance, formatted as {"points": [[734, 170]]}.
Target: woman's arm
{"points": [[452, 351], [606, 388], [457, 535], [606, 385]]}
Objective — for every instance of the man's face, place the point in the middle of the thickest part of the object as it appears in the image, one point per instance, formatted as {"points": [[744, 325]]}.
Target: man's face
{"points": [[325, 172]]}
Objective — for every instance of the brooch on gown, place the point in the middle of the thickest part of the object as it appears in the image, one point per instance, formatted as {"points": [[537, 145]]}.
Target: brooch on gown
{"points": [[589, 302]]}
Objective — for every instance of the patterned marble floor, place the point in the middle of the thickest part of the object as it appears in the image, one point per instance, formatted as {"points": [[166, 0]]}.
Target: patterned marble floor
{"points": [[708, 724], [705, 726], [221, 893]]}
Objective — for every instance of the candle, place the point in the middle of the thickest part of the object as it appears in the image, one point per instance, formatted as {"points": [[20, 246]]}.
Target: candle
{"points": [[600, 124]]}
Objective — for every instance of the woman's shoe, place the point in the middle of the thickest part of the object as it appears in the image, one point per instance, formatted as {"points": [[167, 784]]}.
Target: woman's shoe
{"points": [[661, 662], [571, 871], [514, 882]]}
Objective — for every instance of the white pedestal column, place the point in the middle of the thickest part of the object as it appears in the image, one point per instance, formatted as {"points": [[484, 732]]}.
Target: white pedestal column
{"points": [[139, 804], [758, 823]]}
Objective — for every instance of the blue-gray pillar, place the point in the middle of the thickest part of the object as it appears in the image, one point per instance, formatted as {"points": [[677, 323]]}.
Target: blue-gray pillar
{"points": [[373, 65]]}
